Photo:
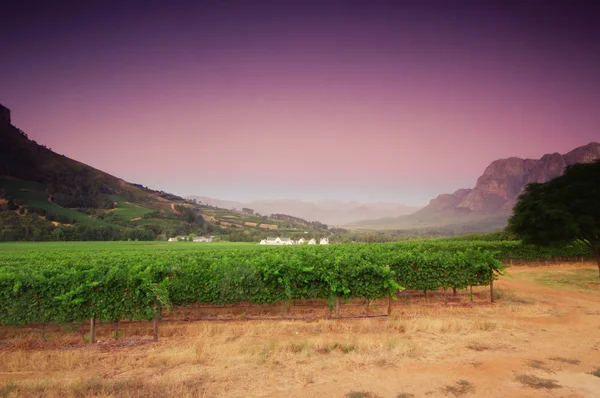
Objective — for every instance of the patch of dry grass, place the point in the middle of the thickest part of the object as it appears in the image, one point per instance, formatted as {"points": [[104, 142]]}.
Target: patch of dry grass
{"points": [[537, 364], [566, 360], [362, 394], [532, 381], [478, 346], [94, 386], [460, 388]]}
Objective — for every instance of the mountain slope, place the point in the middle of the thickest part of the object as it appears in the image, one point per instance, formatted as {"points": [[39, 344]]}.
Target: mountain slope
{"points": [[63, 199], [67, 181], [487, 206]]}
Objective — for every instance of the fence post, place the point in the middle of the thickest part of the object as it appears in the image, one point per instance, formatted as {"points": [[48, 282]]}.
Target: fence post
{"points": [[471, 293], [155, 323], [93, 330], [492, 291], [389, 304]]}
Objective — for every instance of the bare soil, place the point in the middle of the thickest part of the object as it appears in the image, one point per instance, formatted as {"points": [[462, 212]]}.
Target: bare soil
{"points": [[535, 341]]}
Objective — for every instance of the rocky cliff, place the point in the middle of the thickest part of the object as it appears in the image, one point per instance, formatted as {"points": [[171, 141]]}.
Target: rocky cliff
{"points": [[487, 206], [503, 180]]}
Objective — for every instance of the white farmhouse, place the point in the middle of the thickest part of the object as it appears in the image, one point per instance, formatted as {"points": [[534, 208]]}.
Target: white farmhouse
{"points": [[300, 241], [287, 241], [263, 242], [312, 242], [324, 241], [273, 241]]}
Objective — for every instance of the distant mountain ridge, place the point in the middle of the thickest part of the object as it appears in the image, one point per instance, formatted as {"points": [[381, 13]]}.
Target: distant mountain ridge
{"points": [[487, 206], [331, 212]]}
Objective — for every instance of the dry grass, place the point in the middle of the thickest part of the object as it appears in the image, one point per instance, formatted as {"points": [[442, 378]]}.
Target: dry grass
{"points": [[532, 381], [361, 394], [460, 388], [537, 364], [234, 359], [478, 346], [566, 360], [95, 386]]}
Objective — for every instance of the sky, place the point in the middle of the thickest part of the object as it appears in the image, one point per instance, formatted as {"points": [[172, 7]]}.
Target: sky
{"points": [[352, 100]]}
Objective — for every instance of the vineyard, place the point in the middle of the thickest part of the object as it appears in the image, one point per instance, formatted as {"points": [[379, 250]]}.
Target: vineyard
{"points": [[71, 283]]}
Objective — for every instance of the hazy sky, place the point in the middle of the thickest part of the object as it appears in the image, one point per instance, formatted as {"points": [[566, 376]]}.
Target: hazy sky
{"points": [[355, 100]]}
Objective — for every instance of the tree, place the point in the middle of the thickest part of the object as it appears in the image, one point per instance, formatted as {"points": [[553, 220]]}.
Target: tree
{"points": [[562, 210]]}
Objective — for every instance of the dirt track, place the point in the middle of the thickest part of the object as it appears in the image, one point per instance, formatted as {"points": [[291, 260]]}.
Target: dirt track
{"points": [[422, 350]]}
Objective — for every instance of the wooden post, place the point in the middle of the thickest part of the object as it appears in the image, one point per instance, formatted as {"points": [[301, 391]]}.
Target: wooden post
{"points": [[337, 307], [155, 323], [93, 330], [116, 332], [368, 307], [471, 292], [454, 291], [492, 291], [425, 292], [389, 304]]}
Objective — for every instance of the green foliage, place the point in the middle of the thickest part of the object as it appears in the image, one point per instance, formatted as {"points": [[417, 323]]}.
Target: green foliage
{"points": [[74, 285], [561, 210]]}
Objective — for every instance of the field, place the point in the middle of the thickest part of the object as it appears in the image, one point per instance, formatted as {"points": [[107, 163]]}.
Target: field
{"points": [[126, 211], [540, 338]]}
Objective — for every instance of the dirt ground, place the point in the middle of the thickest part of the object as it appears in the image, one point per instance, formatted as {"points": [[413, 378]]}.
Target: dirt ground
{"points": [[534, 341]]}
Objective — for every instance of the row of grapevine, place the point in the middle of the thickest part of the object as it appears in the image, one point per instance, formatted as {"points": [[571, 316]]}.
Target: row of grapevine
{"points": [[29, 253], [112, 286]]}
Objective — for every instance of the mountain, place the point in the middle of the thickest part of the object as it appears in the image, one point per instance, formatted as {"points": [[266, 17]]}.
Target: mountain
{"points": [[67, 181], [47, 196], [331, 212], [487, 206]]}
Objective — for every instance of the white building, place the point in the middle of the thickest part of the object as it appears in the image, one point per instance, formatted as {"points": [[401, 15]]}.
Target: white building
{"points": [[312, 242], [300, 241], [324, 241], [277, 241], [202, 239]]}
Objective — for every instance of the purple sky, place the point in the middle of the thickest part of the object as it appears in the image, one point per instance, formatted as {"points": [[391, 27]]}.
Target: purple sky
{"points": [[352, 100]]}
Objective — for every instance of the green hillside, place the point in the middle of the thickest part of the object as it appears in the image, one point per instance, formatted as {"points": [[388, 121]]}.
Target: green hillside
{"points": [[33, 195], [47, 196]]}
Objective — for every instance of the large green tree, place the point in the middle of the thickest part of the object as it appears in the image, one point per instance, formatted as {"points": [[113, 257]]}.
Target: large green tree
{"points": [[561, 210]]}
